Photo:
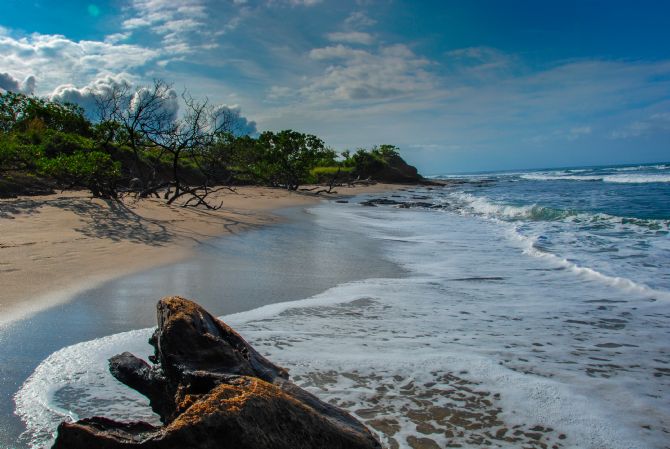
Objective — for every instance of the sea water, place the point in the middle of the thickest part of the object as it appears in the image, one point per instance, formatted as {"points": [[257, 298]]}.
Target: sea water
{"points": [[535, 313]]}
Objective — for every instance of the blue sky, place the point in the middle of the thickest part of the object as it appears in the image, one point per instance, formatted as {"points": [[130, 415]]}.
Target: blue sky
{"points": [[457, 85]]}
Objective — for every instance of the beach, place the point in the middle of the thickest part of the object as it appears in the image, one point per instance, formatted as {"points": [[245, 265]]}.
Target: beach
{"points": [[487, 313], [54, 246], [230, 260]]}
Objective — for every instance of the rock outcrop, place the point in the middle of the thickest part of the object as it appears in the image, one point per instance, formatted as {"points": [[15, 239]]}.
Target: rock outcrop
{"points": [[213, 390], [397, 170]]}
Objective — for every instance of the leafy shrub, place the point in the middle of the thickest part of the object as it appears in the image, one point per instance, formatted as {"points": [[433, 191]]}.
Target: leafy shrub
{"points": [[55, 143], [15, 155], [94, 170], [325, 174]]}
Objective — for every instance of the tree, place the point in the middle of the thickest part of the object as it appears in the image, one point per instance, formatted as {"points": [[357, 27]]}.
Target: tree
{"points": [[287, 157], [19, 112], [127, 117], [42, 138], [186, 137]]}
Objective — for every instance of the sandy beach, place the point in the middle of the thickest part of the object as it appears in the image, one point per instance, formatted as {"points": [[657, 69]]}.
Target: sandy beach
{"points": [[53, 246]]}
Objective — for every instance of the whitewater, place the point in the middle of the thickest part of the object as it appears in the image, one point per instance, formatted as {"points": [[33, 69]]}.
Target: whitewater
{"points": [[534, 312]]}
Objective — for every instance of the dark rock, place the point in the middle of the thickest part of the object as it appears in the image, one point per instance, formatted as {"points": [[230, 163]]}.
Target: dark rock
{"points": [[419, 204], [341, 201], [384, 201], [213, 390], [397, 170]]}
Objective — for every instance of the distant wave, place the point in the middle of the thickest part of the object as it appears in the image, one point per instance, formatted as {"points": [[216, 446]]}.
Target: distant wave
{"points": [[534, 212], [641, 179], [643, 167], [575, 174], [481, 206], [620, 179]]}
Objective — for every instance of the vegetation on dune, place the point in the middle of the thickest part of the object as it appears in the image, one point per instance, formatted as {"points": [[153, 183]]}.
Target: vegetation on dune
{"points": [[139, 143]]}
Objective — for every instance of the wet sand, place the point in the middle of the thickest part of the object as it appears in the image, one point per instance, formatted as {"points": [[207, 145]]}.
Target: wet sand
{"points": [[52, 247], [293, 259]]}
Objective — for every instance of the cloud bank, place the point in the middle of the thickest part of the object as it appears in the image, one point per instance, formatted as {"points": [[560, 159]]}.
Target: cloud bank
{"points": [[11, 84]]}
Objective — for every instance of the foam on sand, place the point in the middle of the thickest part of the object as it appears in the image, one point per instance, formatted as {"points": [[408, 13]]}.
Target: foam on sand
{"points": [[480, 345]]}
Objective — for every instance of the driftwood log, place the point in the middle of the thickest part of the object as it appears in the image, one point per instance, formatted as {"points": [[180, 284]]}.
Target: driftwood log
{"points": [[213, 390]]}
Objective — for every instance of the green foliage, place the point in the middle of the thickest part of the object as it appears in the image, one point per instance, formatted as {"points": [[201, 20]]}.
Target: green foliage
{"points": [[366, 163], [94, 170], [326, 174], [15, 155], [18, 112], [386, 151], [55, 144], [285, 158]]}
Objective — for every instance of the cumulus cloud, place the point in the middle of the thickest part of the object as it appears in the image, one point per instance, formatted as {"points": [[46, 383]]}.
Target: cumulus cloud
{"points": [[11, 84], [29, 85], [86, 96], [169, 102], [55, 58], [231, 118]]}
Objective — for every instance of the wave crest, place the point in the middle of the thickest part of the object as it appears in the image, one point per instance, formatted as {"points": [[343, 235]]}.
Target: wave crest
{"points": [[617, 179]]}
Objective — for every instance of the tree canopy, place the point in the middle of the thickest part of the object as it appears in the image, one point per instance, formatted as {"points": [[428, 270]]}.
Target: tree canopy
{"points": [[141, 143]]}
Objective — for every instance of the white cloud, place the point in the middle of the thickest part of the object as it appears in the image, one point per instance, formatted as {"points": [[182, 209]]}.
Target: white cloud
{"points": [[355, 74], [9, 83], [337, 52], [234, 121], [53, 59], [279, 92], [357, 20], [351, 37], [304, 2], [86, 96], [182, 25], [169, 104], [116, 37], [659, 122]]}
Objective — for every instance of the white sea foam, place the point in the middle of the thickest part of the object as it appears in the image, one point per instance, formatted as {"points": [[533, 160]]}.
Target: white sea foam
{"points": [[479, 205], [619, 179], [563, 224]]}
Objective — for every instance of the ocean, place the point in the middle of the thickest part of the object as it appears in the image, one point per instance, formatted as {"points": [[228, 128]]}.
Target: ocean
{"points": [[531, 309]]}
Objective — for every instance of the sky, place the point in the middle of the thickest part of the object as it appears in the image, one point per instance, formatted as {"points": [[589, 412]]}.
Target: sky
{"points": [[458, 86]]}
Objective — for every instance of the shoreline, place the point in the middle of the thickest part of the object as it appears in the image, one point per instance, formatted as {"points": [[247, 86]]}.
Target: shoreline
{"points": [[55, 246], [296, 258]]}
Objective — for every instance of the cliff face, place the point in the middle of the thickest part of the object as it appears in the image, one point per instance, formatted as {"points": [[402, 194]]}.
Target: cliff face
{"points": [[386, 168], [214, 390], [397, 170]]}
